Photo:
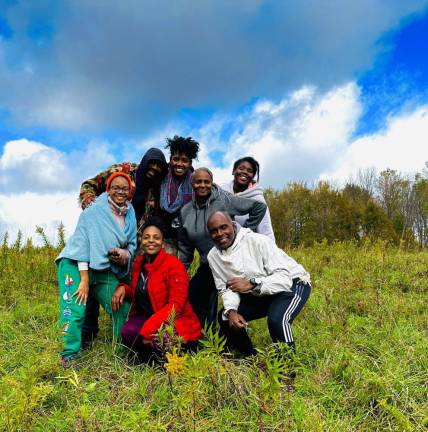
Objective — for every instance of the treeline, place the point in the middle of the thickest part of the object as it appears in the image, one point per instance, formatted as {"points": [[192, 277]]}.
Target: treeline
{"points": [[387, 206]]}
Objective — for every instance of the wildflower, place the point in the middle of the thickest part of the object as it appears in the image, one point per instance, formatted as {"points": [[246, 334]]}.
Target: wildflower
{"points": [[175, 363]]}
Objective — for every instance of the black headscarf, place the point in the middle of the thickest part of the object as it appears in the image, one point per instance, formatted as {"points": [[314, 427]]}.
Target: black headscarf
{"points": [[143, 184]]}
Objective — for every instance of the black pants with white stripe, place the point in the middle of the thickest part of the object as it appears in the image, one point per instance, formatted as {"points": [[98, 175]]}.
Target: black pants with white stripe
{"points": [[280, 310]]}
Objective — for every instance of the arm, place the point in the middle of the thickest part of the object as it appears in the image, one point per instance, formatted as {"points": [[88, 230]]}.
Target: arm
{"points": [[178, 289], [122, 257], [130, 282], [95, 186], [277, 265], [123, 289], [78, 246], [235, 319], [241, 206], [132, 238], [185, 248], [230, 299], [129, 292], [82, 291], [265, 226], [91, 188], [118, 297]]}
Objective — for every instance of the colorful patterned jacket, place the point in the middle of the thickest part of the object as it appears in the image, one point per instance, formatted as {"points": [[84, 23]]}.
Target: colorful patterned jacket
{"points": [[95, 186]]}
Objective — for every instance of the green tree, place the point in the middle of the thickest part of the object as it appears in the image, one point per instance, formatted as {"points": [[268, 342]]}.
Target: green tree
{"points": [[396, 196], [420, 188]]}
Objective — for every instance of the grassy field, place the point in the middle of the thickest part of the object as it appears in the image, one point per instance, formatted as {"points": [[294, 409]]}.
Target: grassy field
{"points": [[362, 359]]}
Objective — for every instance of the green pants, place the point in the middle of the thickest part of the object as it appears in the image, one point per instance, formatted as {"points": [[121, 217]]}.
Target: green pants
{"points": [[102, 285]]}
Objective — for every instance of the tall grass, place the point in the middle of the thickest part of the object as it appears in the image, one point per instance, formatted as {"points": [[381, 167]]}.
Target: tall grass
{"points": [[362, 357]]}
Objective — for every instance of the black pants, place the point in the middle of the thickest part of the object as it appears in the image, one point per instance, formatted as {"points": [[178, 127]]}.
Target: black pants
{"points": [[280, 310], [90, 325], [203, 295]]}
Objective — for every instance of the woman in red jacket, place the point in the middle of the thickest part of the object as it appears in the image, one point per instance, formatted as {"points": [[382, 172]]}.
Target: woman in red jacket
{"points": [[158, 291]]}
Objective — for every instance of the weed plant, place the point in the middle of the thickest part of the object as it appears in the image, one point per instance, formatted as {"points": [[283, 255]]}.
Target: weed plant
{"points": [[361, 362]]}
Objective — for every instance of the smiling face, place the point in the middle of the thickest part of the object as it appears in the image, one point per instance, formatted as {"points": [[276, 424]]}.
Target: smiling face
{"points": [[154, 169], [202, 184], [151, 241], [179, 164], [243, 175], [119, 190], [222, 230]]}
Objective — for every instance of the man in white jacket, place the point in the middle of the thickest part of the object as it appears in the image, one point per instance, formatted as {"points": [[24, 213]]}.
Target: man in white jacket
{"points": [[255, 279]]}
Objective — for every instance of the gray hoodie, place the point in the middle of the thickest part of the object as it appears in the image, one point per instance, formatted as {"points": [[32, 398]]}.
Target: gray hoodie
{"points": [[254, 191], [193, 233]]}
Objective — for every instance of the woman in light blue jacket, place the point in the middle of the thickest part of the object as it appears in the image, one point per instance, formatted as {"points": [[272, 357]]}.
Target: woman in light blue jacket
{"points": [[96, 257]]}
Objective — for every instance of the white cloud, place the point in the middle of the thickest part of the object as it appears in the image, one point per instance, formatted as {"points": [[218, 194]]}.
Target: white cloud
{"points": [[308, 136], [402, 145], [39, 185], [29, 166], [27, 210], [294, 140]]}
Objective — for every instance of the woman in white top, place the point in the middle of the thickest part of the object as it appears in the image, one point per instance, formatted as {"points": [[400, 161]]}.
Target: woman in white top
{"points": [[245, 184]]}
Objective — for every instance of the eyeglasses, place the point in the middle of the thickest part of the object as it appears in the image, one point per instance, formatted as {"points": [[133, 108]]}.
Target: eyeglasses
{"points": [[124, 190]]}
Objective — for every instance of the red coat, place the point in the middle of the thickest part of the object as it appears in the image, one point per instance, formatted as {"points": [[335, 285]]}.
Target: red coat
{"points": [[168, 289]]}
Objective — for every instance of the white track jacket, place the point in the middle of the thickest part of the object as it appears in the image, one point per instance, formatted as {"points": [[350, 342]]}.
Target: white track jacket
{"points": [[253, 255]]}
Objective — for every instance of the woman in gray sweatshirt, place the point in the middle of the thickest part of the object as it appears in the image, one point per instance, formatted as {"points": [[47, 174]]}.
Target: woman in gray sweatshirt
{"points": [[193, 235]]}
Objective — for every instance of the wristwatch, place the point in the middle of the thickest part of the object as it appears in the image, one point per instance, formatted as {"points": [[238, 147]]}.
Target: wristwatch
{"points": [[257, 286]]}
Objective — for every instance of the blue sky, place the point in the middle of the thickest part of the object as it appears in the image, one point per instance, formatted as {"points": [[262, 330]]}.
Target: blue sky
{"points": [[397, 78], [305, 87]]}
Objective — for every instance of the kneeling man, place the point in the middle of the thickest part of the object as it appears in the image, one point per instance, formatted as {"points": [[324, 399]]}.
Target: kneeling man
{"points": [[255, 279]]}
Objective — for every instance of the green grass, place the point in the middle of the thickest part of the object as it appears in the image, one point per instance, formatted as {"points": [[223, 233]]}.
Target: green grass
{"points": [[362, 359]]}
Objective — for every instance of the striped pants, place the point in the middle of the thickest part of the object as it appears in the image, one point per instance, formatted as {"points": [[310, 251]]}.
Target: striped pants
{"points": [[280, 310]]}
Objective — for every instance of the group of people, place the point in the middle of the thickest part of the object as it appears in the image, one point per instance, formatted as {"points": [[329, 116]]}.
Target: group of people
{"points": [[135, 242]]}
